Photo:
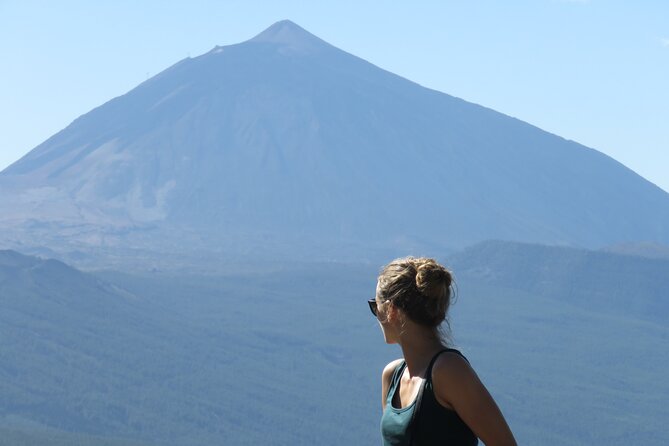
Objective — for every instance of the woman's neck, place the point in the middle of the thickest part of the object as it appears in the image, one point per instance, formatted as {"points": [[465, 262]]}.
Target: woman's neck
{"points": [[419, 345]]}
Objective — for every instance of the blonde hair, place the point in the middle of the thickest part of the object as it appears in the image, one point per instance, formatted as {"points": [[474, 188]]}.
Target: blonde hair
{"points": [[418, 286]]}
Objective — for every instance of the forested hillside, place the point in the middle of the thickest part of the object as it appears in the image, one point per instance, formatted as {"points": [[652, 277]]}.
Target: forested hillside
{"points": [[198, 360], [606, 283]]}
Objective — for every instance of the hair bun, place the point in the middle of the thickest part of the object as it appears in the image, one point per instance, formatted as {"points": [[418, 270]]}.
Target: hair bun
{"points": [[420, 287], [432, 279]]}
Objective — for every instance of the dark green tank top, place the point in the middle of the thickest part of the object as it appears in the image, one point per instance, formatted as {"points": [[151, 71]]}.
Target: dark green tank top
{"points": [[434, 424]]}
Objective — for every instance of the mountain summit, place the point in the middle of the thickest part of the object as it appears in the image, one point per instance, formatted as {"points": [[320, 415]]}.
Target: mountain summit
{"points": [[285, 146], [289, 34]]}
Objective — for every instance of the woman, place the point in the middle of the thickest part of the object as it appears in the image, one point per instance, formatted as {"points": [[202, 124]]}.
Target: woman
{"points": [[432, 396]]}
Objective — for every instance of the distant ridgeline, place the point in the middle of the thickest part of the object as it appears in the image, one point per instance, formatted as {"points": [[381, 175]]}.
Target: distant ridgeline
{"points": [[572, 343], [599, 281], [285, 147]]}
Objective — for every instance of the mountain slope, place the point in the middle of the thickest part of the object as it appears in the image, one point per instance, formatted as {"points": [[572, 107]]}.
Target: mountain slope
{"points": [[284, 145], [187, 360], [607, 283], [196, 360]]}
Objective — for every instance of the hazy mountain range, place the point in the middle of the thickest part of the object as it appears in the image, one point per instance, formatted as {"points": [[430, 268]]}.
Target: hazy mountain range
{"points": [[232, 213], [189, 360], [284, 146], [634, 286]]}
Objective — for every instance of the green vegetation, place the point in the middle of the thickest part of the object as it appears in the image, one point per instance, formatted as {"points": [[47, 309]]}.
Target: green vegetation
{"points": [[617, 285], [293, 357]]}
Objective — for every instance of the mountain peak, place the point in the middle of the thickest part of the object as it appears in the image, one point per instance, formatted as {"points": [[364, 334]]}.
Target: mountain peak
{"points": [[287, 33]]}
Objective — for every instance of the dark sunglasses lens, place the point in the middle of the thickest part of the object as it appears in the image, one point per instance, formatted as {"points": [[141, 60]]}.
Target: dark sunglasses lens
{"points": [[372, 306]]}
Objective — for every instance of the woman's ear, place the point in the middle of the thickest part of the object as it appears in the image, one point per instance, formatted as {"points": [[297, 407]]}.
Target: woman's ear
{"points": [[392, 312]]}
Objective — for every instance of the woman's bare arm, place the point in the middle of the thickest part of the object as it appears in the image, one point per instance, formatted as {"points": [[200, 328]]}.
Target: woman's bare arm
{"points": [[456, 383]]}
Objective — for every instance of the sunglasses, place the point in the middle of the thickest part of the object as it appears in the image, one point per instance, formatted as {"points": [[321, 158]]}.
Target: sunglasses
{"points": [[373, 307]]}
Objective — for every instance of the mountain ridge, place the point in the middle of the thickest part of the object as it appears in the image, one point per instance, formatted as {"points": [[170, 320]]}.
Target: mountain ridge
{"points": [[266, 147], [606, 282], [159, 369]]}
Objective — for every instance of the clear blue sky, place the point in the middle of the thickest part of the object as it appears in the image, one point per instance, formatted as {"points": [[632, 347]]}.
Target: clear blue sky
{"points": [[594, 71]]}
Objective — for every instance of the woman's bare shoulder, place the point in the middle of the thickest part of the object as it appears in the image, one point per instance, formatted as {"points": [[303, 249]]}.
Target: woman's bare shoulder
{"points": [[392, 365], [389, 369], [457, 384], [452, 366]]}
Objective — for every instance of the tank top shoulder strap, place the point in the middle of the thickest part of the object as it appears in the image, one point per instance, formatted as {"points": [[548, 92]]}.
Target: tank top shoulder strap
{"points": [[397, 374], [428, 372]]}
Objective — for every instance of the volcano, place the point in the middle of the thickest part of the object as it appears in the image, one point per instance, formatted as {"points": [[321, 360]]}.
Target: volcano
{"points": [[284, 146]]}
